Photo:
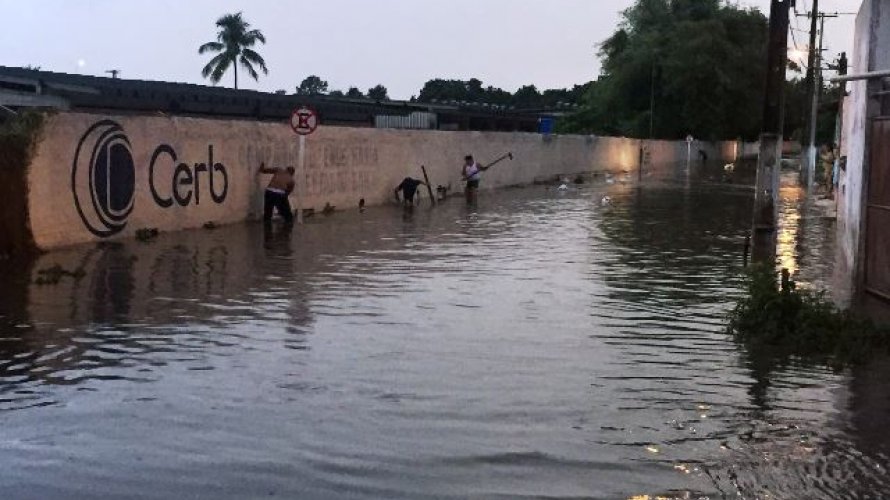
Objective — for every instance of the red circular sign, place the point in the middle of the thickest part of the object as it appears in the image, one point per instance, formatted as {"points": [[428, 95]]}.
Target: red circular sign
{"points": [[304, 120]]}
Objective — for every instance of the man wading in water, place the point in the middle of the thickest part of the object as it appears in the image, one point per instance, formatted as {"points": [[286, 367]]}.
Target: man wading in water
{"points": [[408, 187], [281, 185], [472, 173]]}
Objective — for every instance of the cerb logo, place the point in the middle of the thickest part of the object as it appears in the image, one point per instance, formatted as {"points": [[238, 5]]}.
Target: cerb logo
{"points": [[103, 178]]}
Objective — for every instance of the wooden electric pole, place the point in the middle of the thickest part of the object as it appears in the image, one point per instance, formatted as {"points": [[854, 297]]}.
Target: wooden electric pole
{"points": [[769, 160]]}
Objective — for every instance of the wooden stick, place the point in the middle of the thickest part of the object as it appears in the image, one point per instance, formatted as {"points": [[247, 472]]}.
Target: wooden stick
{"points": [[502, 158], [429, 186]]}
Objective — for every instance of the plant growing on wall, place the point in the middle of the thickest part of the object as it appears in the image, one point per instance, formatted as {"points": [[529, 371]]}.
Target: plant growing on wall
{"points": [[234, 42]]}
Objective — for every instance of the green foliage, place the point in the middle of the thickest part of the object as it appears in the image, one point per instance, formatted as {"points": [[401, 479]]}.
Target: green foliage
{"points": [[354, 93], [797, 109], [473, 91], [24, 124], [312, 85], [378, 93], [233, 44], [704, 61], [19, 135], [780, 320]]}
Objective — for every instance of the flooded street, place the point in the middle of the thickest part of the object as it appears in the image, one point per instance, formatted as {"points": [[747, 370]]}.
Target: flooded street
{"points": [[539, 345]]}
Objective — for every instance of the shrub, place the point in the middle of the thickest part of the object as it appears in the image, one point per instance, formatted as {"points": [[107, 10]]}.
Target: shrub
{"points": [[778, 318]]}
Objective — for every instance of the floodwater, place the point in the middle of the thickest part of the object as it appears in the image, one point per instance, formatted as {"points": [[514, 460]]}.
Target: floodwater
{"points": [[538, 345]]}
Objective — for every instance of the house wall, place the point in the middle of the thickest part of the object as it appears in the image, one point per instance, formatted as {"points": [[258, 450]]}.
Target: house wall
{"points": [[871, 52]]}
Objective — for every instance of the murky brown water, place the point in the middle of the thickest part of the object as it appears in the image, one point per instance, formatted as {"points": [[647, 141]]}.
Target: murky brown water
{"points": [[539, 345]]}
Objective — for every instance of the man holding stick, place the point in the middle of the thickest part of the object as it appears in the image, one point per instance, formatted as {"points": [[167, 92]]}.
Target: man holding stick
{"points": [[472, 174]]}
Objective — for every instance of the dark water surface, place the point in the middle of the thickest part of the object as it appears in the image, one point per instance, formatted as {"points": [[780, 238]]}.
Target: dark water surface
{"points": [[539, 345]]}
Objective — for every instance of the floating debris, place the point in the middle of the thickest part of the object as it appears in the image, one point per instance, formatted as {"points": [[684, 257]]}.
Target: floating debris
{"points": [[147, 233]]}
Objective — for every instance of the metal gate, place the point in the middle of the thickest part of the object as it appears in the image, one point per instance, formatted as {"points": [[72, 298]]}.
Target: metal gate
{"points": [[877, 216]]}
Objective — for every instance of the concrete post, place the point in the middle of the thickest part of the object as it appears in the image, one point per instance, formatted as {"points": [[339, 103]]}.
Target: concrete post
{"points": [[808, 149], [766, 210], [769, 159]]}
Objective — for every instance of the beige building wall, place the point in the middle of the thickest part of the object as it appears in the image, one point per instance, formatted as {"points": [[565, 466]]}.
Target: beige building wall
{"points": [[96, 177]]}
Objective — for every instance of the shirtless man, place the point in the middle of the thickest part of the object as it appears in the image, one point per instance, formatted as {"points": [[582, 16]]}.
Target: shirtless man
{"points": [[281, 185]]}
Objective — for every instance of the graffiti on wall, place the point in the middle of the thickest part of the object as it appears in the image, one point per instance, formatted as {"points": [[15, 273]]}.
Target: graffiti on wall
{"points": [[338, 167], [332, 167]]}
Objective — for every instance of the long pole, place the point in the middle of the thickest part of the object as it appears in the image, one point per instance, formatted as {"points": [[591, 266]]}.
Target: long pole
{"points": [[808, 150], [814, 110], [651, 119], [429, 187], [652, 102], [301, 176], [769, 160]]}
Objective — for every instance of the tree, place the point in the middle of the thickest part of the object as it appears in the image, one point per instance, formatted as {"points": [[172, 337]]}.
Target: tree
{"points": [[472, 91], [312, 85], [527, 97], [234, 42], [355, 93], [336, 93], [702, 60], [378, 93]]}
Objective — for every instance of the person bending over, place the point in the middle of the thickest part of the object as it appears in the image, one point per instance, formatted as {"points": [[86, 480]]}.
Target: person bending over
{"points": [[408, 187], [280, 187]]}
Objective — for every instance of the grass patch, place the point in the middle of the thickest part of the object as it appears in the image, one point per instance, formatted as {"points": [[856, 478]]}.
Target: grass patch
{"points": [[777, 318]]}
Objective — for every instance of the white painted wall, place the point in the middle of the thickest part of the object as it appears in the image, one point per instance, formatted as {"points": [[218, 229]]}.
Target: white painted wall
{"points": [[871, 52], [343, 165]]}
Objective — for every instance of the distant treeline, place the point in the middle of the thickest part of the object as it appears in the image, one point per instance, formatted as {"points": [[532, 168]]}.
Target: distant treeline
{"points": [[473, 91], [671, 68]]}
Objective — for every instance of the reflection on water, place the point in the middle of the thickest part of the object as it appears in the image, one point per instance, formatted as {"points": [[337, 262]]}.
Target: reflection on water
{"points": [[789, 226], [538, 345]]}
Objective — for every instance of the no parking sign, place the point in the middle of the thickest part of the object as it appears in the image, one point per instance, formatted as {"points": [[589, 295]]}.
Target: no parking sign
{"points": [[304, 120]]}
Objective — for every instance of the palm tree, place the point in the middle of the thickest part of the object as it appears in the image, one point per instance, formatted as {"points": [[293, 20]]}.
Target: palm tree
{"points": [[234, 42]]}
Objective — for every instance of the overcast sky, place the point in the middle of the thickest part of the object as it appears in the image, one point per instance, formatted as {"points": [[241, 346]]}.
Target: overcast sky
{"points": [[399, 43]]}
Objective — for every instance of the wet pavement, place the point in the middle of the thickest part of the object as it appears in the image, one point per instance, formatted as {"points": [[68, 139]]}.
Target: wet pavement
{"points": [[538, 345]]}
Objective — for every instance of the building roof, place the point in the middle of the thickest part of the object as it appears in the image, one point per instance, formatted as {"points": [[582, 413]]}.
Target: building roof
{"points": [[25, 87]]}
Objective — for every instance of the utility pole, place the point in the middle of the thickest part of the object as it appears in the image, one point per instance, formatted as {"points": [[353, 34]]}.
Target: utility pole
{"points": [[808, 151], [114, 73], [809, 155], [651, 119], [770, 157]]}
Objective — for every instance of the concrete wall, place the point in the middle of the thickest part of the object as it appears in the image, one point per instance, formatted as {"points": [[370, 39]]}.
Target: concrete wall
{"points": [[97, 177], [871, 52]]}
